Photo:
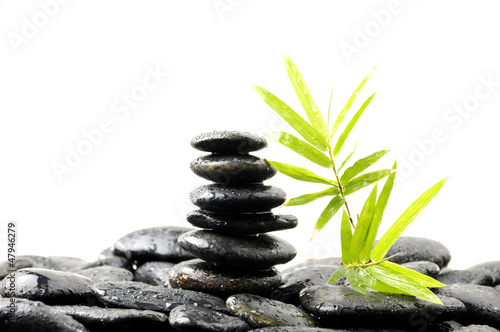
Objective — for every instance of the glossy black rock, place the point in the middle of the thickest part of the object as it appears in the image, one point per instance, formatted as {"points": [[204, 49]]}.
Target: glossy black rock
{"points": [[478, 277], [48, 286], [492, 267], [206, 277], [482, 303], [241, 223], [232, 169], [428, 268], [312, 262], [106, 273], [7, 267], [342, 306], [153, 244], [138, 295], [410, 249], [154, 273], [111, 319], [34, 316], [228, 142], [259, 311], [245, 251], [191, 318], [237, 198], [293, 282]]}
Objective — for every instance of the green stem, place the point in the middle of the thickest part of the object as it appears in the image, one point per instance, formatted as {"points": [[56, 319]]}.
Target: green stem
{"points": [[341, 189]]}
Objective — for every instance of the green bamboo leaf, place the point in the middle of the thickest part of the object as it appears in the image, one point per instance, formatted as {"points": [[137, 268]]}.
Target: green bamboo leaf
{"points": [[345, 237], [349, 103], [350, 126], [376, 284], [363, 228], [348, 157], [307, 198], [386, 242], [408, 275], [395, 280], [365, 180], [328, 213], [300, 173], [360, 165], [356, 281], [338, 274], [377, 216], [293, 119], [302, 91], [304, 149]]}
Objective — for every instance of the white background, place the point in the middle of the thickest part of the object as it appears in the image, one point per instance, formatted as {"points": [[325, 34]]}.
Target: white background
{"points": [[66, 73]]}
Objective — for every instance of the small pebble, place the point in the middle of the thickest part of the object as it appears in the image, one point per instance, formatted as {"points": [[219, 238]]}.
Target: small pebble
{"points": [[154, 273]]}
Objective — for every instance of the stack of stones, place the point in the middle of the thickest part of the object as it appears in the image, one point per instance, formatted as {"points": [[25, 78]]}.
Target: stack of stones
{"points": [[234, 252]]}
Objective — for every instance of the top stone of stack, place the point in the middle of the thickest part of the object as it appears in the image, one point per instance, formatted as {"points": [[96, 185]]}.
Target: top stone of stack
{"points": [[228, 142]]}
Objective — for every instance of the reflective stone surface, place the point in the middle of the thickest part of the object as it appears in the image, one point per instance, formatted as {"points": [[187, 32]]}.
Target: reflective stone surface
{"points": [[228, 142], [191, 318]]}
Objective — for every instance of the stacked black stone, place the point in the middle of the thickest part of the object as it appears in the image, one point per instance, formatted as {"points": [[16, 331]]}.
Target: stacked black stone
{"points": [[233, 253]]}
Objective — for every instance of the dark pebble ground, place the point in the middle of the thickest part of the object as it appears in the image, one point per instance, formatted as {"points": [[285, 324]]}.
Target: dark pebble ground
{"points": [[222, 276]]}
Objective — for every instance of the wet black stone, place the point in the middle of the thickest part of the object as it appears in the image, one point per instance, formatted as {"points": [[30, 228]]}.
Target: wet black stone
{"points": [[247, 251], [478, 277], [154, 273], [48, 286], [191, 318], [232, 169], [228, 142], [312, 262], [153, 244], [34, 316], [106, 273], [259, 311], [237, 198], [206, 277], [410, 249], [492, 267], [318, 329], [111, 319], [341, 306], [482, 303], [67, 263], [138, 295], [241, 223], [106, 257], [7, 267], [428, 268], [293, 282]]}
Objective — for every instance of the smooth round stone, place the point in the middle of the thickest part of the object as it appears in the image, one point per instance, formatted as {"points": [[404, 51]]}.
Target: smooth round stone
{"points": [[241, 223], [67, 263], [7, 267], [154, 273], [206, 277], [228, 142], [138, 295], [111, 319], [34, 316], [106, 257], [106, 273], [153, 244], [478, 277], [191, 318], [295, 281], [259, 311], [492, 267], [318, 329], [428, 268], [336, 261], [341, 306], [256, 252], [482, 303], [410, 249], [232, 169], [48, 286], [40, 262], [237, 198], [478, 328]]}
